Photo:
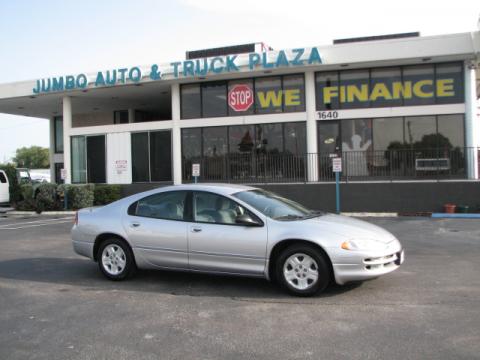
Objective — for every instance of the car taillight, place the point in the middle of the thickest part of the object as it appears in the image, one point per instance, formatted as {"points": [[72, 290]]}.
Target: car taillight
{"points": [[76, 218]]}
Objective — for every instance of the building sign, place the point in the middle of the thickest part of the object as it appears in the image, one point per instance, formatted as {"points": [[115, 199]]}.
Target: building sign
{"points": [[392, 91], [407, 85], [240, 97], [272, 98], [121, 166], [182, 69]]}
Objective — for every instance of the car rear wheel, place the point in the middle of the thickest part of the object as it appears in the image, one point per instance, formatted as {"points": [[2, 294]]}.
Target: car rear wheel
{"points": [[115, 259], [303, 270]]}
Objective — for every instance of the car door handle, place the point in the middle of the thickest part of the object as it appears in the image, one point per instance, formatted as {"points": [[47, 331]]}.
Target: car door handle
{"points": [[196, 229], [135, 225]]}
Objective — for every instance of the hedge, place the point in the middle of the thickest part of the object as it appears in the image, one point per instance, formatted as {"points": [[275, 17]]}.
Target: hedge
{"points": [[106, 194], [48, 197]]}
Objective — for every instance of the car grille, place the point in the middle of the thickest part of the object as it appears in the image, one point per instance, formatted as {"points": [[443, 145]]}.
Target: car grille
{"points": [[381, 262]]}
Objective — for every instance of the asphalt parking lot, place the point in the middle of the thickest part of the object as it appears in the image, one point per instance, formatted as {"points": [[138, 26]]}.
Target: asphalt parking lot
{"points": [[56, 305]]}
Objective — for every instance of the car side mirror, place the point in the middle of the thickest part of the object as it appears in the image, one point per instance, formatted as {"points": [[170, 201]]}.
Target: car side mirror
{"points": [[247, 220]]}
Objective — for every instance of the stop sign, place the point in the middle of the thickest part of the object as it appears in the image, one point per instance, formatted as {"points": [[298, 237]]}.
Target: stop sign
{"points": [[240, 97]]}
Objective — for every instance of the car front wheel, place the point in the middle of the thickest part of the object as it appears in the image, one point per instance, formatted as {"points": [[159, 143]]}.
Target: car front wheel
{"points": [[303, 270], [115, 259]]}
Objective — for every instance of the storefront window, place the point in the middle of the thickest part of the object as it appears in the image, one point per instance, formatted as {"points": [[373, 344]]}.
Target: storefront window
{"points": [[96, 172], [353, 92], [394, 86], [451, 131], [269, 138], [421, 89], [160, 156], [449, 79], [79, 161], [214, 99], [421, 132], [244, 152], [251, 109], [388, 133], [294, 93], [140, 156], [295, 138], [327, 86], [268, 95], [191, 101], [215, 141], [356, 134], [383, 84], [58, 130], [241, 139]]}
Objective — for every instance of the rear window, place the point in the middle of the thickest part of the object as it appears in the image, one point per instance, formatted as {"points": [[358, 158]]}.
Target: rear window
{"points": [[3, 179]]}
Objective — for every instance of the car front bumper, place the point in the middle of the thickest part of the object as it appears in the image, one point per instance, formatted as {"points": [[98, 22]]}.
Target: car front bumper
{"points": [[362, 265]]}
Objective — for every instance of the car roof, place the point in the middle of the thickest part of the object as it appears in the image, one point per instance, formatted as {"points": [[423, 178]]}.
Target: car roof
{"points": [[224, 189]]}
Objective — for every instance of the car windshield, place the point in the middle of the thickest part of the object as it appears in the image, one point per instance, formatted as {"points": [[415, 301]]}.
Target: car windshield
{"points": [[275, 206]]}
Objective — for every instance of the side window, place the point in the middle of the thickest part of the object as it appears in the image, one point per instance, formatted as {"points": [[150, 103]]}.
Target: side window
{"points": [[166, 205], [217, 209], [3, 179]]}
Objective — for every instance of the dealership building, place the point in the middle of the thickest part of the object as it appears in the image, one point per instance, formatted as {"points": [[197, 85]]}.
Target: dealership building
{"points": [[397, 109]]}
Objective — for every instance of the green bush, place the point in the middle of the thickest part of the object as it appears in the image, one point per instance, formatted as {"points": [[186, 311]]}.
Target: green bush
{"points": [[14, 188], [26, 191], [80, 196], [26, 205], [46, 197], [106, 194]]}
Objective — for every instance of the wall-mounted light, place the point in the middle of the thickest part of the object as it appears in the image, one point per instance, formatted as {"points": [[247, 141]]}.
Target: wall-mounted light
{"points": [[426, 59]]}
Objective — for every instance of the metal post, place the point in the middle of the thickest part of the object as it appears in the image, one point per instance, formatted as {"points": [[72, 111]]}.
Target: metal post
{"points": [[337, 191]]}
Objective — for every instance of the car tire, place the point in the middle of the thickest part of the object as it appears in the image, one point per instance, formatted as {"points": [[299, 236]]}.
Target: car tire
{"points": [[115, 259], [302, 270]]}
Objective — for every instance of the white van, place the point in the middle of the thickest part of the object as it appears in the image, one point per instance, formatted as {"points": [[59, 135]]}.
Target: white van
{"points": [[4, 193]]}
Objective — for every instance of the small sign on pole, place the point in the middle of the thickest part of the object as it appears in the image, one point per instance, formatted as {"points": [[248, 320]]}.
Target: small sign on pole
{"points": [[337, 164], [337, 169], [195, 171]]}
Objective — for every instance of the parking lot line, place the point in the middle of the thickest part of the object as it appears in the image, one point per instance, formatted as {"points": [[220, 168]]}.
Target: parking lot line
{"points": [[30, 224]]}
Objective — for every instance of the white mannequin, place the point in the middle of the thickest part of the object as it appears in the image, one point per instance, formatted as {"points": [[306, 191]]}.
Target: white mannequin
{"points": [[356, 157]]}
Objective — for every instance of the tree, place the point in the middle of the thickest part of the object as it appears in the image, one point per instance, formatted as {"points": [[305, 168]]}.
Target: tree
{"points": [[33, 157]]}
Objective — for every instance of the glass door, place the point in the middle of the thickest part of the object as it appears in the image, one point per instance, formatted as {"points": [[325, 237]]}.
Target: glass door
{"points": [[329, 146]]}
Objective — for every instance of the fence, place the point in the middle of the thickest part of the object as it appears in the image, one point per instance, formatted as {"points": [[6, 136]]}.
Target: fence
{"points": [[403, 164]]}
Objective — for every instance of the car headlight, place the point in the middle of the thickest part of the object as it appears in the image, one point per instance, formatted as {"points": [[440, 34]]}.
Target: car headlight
{"points": [[362, 244]]}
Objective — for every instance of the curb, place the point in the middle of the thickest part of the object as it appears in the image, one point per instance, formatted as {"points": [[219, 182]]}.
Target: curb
{"points": [[455, 216], [15, 212]]}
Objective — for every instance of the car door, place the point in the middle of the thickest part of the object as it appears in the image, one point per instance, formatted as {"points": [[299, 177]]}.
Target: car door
{"points": [[157, 231], [217, 243]]}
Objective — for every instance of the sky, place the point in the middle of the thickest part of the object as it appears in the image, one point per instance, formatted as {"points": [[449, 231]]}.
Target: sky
{"points": [[46, 38]]}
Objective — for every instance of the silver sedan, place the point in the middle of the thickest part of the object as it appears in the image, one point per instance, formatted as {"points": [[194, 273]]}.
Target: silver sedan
{"points": [[236, 230]]}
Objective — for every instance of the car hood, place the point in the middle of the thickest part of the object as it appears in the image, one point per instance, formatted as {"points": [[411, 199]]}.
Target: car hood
{"points": [[350, 228]]}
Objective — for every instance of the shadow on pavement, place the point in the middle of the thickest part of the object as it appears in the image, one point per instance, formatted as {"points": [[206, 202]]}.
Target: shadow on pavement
{"points": [[85, 274]]}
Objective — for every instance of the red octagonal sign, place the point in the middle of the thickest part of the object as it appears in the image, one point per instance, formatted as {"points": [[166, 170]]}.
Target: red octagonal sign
{"points": [[240, 97]]}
